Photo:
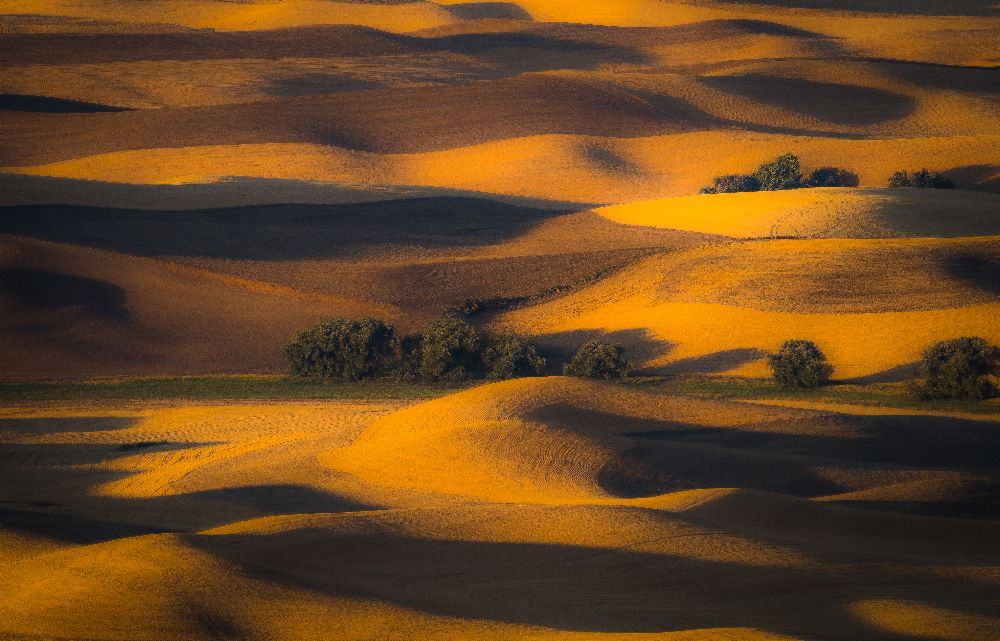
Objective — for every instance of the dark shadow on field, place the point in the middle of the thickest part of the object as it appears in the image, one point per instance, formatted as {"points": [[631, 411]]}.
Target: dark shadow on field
{"points": [[27, 190], [975, 499], [46, 104], [902, 7], [124, 517], [592, 589], [512, 53], [407, 119], [895, 374], [784, 454], [975, 80], [722, 361], [315, 83], [37, 288], [981, 177], [841, 104], [979, 271], [487, 11], [48, 489], [279, 232], [64, 424], [54, 523]]}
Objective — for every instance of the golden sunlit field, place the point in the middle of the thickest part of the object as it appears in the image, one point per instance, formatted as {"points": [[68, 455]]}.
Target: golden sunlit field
{"points": [[185, 184]]}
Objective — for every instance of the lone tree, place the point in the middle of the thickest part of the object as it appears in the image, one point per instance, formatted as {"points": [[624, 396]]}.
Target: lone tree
{"points": [[799, 363], [341, 348], [924, 178], [449, 350], [511, 356], [596, 359], [959, 368], [781, 173]]}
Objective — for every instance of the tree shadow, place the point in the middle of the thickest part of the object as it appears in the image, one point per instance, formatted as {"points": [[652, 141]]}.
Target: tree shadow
{"points": [[721, 361], [899, 373]]}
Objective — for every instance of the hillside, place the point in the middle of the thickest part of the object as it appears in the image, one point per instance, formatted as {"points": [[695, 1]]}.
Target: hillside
{"points": [[303, 520], [186, 184]]}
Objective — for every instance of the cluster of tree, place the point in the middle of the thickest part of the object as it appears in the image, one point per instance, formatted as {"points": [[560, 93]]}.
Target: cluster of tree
{"points": [[452, 350], [784, 172], [448, 350], [924, 178], [960, 368]]}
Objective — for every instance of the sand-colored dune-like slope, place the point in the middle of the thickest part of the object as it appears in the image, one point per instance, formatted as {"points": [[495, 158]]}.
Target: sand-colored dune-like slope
{"points": [[821, 213], [517, 509], [551, 167], [871, 305], [560, 440]]}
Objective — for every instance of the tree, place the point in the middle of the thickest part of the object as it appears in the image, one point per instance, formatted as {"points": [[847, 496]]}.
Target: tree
{"points": [[924, 178], [799, 363], [342, 348], [510, 356], [959, 368], [900, 179], [596, 359], [732, 183], [449, 350], [930, 180], [410, 357], [831, 177], [781, 173]]}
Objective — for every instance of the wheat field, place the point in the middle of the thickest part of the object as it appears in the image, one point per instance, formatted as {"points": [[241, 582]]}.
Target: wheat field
{"points": [[185, 184]]}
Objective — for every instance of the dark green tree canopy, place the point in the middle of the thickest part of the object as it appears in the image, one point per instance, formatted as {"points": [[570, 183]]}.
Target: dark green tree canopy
{"points": [[511, 356], [449, 350], [732, 183], [831, 177], [342, 348], [925, 179], [597, 359], [959, 368], [781, 173], [799, 363], [784, 172]]}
